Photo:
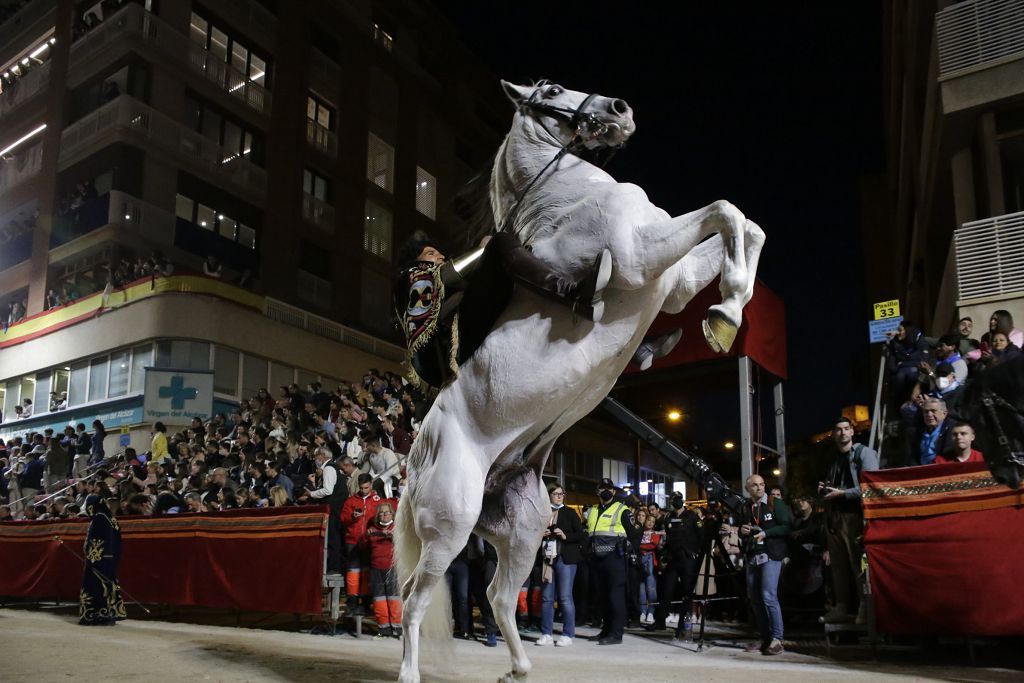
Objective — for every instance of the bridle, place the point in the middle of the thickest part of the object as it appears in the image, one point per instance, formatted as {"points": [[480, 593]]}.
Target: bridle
{"points": [[586, 127]]}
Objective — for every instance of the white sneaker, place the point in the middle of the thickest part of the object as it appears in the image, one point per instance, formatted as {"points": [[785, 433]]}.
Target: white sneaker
{"points": [[545, 639], [672, 619], [563, 641], [643, 618]]}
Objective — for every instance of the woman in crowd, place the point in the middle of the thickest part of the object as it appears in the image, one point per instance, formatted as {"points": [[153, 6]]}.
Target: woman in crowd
{"points": [[100, 601], [387, 605], [1002, 350], [99, 434], [560, 552], [907, 349], [651, 542], [278, 497]]}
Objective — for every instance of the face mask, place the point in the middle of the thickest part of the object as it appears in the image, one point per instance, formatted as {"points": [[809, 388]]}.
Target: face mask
{"points": [[943, 382], [605, 495]]}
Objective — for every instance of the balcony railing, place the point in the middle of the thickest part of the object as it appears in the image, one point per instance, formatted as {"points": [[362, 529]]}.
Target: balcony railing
{"points": [[33, 83], [324, 327], [20, 166], [133, 25], [318, 212], [114, 208], [321, 138], [979, 32], [129, 117], [990, 257]]}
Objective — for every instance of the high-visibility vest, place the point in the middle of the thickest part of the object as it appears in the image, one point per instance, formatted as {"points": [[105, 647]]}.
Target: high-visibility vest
{"points": [[607, 523]]}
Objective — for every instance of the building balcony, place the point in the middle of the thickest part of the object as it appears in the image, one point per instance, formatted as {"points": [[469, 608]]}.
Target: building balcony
{"points": [[135, 28], [990, 260], [19, 166], [125, 119], [35, 16], [318, 212], [33, 83], [120, 211], [321, 138], [979, 34]]}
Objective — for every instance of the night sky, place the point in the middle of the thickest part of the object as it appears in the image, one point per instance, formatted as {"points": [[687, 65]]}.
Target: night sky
{"points": [[775, 108]]}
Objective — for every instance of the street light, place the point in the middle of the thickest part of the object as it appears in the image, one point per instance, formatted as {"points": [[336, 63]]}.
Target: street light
{"points": [[776, 472], [675, 415], [729, 445]]}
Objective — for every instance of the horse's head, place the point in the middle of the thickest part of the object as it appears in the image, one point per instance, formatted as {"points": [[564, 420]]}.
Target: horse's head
{"points": [[572, 117]]}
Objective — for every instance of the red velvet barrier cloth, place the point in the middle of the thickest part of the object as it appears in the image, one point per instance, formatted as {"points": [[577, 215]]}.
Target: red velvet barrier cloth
{"points": [[762, 336], [269, 560], [944, 548]]}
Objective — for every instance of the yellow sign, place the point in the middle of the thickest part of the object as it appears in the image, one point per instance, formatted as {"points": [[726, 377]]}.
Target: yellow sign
{"points": [[887, 309]]}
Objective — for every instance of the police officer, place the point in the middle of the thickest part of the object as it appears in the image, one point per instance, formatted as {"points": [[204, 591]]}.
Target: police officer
{"points": [[684, 544], [610, 528]]}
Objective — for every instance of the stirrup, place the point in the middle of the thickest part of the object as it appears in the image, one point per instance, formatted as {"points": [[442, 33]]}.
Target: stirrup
{"points": [[589, 303]]}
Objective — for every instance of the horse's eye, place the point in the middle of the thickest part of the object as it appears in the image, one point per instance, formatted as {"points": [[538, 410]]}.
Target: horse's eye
{"points": [[555, 91]]}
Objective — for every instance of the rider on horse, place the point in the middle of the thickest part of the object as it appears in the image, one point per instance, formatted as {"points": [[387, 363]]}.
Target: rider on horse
{"points": [[430, 288]]}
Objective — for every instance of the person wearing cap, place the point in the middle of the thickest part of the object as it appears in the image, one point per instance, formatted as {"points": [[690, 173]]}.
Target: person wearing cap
{"points": [[30, 481], [609, 528], [430, 289]]}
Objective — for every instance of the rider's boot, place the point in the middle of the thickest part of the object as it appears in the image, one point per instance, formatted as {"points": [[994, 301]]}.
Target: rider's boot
{"points": [[650, 351], [583, 297]]}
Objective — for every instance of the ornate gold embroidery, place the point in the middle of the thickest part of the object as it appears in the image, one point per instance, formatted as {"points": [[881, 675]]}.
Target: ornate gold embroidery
{"points": [[94, 552], [925, 489]]}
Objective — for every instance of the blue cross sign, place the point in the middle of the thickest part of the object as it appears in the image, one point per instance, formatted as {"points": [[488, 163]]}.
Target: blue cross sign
{"points": [[178, 392]]}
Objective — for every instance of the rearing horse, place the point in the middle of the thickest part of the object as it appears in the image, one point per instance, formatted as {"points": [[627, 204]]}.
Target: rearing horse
{"points": [[477, 462]]}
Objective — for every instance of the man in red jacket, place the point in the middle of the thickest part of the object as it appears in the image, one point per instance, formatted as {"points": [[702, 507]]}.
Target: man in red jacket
{"points": [[963, 446], [358, 511]]}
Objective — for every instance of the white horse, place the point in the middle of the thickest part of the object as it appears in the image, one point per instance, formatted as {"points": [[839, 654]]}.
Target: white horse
{"points": [[477, 461]]}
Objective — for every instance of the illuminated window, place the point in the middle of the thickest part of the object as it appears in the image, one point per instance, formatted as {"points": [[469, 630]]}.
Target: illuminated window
{"points": [[380, 166], [377, 231], [426, 193], [315, 185]]}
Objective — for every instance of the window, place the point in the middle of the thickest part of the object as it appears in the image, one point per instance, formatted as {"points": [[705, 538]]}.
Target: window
{"points": [[304, 378], [318, 112], [78, 384], [426, 193], [280, 375], [10, 394], [225, 371], [233, 136], [184, 208], [60, 380], [254, 375], [377, 232], [183, 355], [227, 227], [119, 374], [380, 165], [141, 357], [41, 400], [315, 185], [97, 379], [226, 48], [383, 37], [205, 217]]}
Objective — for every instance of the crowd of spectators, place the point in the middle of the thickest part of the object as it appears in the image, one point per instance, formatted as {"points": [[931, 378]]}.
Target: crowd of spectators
{"points": [[346, 447], [927, 377]]}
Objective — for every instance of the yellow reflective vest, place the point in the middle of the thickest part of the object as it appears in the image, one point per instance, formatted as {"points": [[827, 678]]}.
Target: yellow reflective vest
{"points": [[607, 523]]}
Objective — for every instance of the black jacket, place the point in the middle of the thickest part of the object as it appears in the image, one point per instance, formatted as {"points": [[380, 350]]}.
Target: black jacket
{"points": [[572, 526]]}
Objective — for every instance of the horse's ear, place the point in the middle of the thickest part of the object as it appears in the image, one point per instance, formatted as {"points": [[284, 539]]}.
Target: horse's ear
{"points": [[516, 93]]}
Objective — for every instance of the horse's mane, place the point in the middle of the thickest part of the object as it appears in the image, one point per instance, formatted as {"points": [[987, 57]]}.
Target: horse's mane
{"points": [[472, 204]]}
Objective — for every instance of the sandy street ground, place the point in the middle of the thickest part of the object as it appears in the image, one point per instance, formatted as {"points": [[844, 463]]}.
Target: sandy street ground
{"points": [[42, 646]]}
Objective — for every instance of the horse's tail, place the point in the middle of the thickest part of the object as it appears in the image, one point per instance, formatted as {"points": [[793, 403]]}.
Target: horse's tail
{"points": [[408, 547]]}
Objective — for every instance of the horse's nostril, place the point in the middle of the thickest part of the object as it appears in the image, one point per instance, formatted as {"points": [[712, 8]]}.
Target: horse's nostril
{"points": [[619, 107]]}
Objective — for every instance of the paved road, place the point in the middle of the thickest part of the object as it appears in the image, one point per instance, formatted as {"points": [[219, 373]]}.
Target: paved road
{"points": [[43, 646]]}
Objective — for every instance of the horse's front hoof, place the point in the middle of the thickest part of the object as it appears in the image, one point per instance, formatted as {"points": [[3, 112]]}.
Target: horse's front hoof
{"points": [[513, 677], [719, 332]]}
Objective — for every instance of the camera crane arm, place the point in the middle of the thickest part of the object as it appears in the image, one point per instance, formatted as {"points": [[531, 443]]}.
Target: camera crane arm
{"points": [[695, 468]]}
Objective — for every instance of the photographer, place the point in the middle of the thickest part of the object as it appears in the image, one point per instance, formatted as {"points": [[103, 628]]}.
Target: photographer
{"points": [[844, 519], [684, 543], [766, 523]]}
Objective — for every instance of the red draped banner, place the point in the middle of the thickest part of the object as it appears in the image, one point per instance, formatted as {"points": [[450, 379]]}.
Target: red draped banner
{"points": [[944, 550], [268, 560]]}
